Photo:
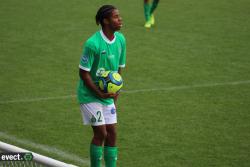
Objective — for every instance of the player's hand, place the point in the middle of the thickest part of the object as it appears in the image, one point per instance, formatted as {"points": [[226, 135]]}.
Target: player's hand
{"points": [[107, 95]]}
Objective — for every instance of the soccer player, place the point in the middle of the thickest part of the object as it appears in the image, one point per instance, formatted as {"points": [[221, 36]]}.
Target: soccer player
{"points": [[149, 9], [105, 50]]}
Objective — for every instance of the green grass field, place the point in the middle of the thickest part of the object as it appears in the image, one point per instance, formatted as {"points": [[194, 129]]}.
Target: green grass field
{"points": [[186, 99]]}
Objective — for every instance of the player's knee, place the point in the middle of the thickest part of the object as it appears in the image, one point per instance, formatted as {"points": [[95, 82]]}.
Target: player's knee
{"points": [[111, 135], [101, 136], [111, 131]]}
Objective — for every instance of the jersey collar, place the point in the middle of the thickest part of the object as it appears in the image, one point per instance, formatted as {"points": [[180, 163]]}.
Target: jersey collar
{"points": [[106, 39]]}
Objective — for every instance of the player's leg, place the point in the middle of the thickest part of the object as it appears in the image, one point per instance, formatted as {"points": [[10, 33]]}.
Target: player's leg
{"points": [[147, 8], [154, 6], [96, 148], [93, 115], [99, 136], [110, 140], [110, 149]]}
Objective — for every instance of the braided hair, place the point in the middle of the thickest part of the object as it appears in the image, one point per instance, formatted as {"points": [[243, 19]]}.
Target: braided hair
{"points": [[104, 12]]}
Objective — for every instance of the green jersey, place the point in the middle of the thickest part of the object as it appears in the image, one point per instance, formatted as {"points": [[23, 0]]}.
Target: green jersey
{"points": [[99, 55]]}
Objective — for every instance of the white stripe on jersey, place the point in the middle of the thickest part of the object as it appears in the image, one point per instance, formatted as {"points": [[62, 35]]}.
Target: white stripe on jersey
{"points": [[84, 68]]}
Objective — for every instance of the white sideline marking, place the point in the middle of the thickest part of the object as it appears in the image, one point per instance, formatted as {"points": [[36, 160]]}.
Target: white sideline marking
{"points": [[45, 148], [133, 91], [37, 99], [188, 87]]}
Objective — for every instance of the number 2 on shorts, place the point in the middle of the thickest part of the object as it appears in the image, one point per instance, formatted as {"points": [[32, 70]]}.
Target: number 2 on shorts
{"points": [[98, 113]]}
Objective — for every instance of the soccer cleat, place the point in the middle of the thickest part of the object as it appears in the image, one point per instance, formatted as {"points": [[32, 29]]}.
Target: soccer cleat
{"points": [[152, 19], [148, 24]]}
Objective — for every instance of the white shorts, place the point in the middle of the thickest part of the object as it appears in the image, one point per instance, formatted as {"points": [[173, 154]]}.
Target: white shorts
{"points": [[96, 114]]}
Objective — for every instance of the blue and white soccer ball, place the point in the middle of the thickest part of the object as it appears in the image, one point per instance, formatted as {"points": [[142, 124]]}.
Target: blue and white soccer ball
{"points": [[110, 82]]}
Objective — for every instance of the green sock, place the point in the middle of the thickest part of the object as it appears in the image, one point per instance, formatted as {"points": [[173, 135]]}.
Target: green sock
{"points": [[154, 6], [147, 7], [96, 155], [110, 156]]}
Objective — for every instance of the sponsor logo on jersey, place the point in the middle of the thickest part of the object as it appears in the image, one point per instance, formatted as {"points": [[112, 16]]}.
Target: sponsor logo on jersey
{"points": [[100, 71], [85, 58], [103, 52], [111, 56]]}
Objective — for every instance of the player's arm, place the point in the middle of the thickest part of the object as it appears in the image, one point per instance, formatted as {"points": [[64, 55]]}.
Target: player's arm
{"points": [[85, 68], [121, 61], [120, 70], [85, 76]]}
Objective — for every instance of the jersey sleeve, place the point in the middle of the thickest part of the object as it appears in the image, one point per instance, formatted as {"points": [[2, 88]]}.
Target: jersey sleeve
{"points": [[87, 57], [122, 61]]}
